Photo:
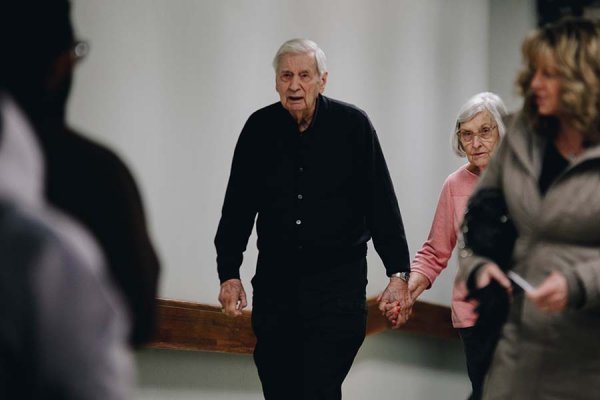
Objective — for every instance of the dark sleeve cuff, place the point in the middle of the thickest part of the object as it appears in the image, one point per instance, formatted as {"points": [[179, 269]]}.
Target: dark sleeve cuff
{"points": [[225, 276], [389, 270], [228, 267]]}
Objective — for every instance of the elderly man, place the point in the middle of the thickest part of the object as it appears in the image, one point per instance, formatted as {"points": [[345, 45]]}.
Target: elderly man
{"points": [[312, 169]]}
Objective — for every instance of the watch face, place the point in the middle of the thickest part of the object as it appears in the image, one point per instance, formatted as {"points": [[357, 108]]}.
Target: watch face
{"points": [[402, 275]]}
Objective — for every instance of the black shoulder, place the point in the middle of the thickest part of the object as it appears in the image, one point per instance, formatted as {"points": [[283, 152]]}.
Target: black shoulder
{"points": [[91, 154], [83, 175], [338, 106], [268, 114], [345, 117], [264, 123]]}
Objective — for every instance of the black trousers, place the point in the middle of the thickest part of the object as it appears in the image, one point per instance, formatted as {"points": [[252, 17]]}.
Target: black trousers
{"points": [[308, 331], [477, 353]]}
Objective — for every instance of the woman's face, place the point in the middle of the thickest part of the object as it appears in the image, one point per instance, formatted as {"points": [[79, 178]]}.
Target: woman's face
{"points": [[479, 137], [545, 86]]}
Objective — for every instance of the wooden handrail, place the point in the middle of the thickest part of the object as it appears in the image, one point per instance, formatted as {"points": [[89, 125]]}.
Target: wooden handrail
{"points": [[198, 327]]}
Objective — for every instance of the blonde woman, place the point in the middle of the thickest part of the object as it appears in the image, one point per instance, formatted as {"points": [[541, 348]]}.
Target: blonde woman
{"points": [[548, 167]]}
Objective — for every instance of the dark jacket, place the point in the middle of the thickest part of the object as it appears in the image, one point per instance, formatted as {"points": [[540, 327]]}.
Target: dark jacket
{"points": [[92, 184]]}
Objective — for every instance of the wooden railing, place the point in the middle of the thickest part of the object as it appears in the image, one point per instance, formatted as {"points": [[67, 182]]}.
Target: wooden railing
{"points": [[192, 326]]}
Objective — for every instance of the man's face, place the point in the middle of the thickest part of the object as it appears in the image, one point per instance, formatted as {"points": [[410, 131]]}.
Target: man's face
{"points": [[299, 84]]}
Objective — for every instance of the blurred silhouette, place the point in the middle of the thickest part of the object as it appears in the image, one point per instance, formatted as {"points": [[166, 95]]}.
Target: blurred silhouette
{"points": [[83, 178], [63, 327], [548, 170]]}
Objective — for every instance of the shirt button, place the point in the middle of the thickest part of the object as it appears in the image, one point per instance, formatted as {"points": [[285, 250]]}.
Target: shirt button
{"points": [[299, 197], [301, 169], [298, 222]]}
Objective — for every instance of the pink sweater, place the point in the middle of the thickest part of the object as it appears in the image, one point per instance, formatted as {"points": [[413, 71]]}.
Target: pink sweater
{"points": [[436, 251]]}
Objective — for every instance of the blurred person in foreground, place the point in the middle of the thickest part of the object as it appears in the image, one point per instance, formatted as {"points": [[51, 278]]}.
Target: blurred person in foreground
{"points": [[63, 327], [83, 178], [312, 168], [548, 167], [478, 130]]}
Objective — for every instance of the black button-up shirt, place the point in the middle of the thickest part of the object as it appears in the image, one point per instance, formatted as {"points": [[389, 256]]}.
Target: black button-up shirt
{"points": [[320, 195]]}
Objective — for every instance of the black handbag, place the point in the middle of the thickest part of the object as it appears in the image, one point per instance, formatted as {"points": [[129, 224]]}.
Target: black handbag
{"points": [[488, 231], [487, 228]]}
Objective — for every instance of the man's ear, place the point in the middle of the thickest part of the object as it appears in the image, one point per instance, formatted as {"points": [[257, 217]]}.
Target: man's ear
{"points": [[323, 82]]}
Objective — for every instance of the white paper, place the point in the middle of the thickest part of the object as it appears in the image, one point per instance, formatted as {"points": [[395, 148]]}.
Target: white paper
{"points": [[522, 283]]}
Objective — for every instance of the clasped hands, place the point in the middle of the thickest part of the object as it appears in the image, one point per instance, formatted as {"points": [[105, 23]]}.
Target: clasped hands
{"points": [[395, 303]]}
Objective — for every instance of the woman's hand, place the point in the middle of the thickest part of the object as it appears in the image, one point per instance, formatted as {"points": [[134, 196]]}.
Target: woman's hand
{"points": [[552, 294], [417, 283], [491, 272]]}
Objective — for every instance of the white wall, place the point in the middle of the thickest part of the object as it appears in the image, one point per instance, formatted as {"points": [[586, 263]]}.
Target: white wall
{"points": [[170, 83], [510, 21]]}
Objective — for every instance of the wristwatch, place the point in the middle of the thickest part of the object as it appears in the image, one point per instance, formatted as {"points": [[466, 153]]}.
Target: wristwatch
{"points": [[402, 275]]}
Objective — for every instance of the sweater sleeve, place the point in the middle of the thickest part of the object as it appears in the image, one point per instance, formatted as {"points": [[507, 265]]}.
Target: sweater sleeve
{"points": [[433, 257]]}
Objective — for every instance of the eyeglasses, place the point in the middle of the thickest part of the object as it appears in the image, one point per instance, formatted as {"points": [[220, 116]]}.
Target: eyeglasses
{"points": [[79, 50], [484, 133]]}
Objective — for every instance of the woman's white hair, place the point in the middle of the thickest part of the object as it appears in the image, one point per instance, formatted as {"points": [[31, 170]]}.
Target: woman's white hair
{"points": [[484, 101], [302, 46]]}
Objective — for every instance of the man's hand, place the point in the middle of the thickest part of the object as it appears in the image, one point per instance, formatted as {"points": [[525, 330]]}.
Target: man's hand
{"points": [[552, 294], [395, 302], [232, 297]]}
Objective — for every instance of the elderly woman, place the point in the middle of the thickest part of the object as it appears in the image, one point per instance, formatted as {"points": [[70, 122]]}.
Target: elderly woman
{"points": [[477, 131], [548, 168]]}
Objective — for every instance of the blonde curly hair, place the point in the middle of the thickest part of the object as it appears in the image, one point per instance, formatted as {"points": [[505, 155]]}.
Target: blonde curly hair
{"points": [[574, 46]]}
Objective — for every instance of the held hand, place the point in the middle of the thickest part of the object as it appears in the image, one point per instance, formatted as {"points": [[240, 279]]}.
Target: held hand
{"points": [[552, 294], [395, 302], [417, 285], [491, 272], [232, 297]]}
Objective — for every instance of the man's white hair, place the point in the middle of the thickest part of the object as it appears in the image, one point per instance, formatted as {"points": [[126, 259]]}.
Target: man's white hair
{"points": [[302, 46]]}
